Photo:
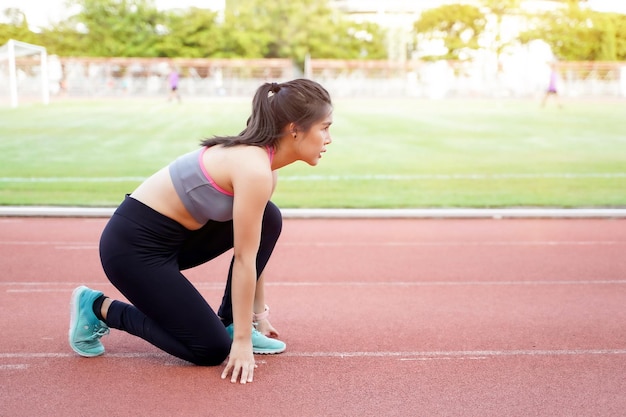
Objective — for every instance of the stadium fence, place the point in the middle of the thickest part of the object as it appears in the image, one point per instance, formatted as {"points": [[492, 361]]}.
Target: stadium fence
{"points": [[144, 77]]}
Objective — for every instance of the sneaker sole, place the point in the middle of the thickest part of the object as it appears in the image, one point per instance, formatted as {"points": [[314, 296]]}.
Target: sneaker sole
{"points": [[74, 313], [269, 352]]}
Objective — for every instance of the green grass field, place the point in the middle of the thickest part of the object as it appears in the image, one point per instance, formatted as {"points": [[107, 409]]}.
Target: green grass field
{"points": [[385, 153]]}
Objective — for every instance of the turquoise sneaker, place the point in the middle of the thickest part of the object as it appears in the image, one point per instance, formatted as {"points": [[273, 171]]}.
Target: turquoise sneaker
{"points": [[261, 344], [85, 328]]}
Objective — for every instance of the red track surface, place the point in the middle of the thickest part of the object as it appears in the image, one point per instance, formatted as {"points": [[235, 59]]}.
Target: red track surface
{"points": [[380, 317]]}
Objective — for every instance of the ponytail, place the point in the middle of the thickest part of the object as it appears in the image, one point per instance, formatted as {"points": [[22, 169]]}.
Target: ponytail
{"points": [[301, 101]]}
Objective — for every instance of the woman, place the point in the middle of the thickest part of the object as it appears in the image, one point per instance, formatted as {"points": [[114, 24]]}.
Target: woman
{"points": [[552, 87], [201, 205]]}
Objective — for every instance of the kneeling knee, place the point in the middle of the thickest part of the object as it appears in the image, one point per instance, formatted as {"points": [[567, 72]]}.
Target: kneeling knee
{"points": [[211, 356]]}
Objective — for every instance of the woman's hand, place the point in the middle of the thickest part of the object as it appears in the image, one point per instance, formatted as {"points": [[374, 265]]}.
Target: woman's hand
{"points": [[265, 328], [240, 361]]}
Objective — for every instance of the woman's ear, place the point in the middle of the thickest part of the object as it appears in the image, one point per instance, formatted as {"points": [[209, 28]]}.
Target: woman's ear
{"points": [[293, 130]]}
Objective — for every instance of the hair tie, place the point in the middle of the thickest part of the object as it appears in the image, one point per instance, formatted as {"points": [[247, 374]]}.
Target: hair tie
{"points": [[275, 88]]}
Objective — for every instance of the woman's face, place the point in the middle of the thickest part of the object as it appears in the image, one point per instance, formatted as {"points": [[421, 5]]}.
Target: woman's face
{"points": [[312, 143]]}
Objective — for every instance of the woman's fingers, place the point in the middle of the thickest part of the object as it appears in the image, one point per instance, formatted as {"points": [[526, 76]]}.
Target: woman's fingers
{"points": [[246, 370]]}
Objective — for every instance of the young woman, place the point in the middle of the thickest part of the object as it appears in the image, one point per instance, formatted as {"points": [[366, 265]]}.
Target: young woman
{"points": [[201, 205]]}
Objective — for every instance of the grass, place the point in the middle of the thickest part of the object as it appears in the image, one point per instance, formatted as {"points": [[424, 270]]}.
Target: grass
{"points": [[386, 153]]}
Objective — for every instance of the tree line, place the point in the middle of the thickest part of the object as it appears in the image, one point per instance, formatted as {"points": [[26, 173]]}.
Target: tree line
{"points": [[296, 28]]}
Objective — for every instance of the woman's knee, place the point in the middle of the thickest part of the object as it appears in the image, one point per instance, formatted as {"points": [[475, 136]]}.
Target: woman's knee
{"points": [[212, 355], [272, 221]]}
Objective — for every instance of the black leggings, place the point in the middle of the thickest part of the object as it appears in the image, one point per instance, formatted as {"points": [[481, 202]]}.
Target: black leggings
{"points": [[143, 252]]}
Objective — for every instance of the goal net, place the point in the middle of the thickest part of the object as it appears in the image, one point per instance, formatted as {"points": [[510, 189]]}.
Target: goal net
{"points": [[24, 71]]}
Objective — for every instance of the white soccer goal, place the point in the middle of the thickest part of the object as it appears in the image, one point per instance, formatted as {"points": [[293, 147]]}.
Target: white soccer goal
{"points": [[9, 55]]}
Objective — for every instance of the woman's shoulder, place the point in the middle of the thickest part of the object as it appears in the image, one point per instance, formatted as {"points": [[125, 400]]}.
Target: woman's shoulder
{"points": [[248, 153], [237, 161]]}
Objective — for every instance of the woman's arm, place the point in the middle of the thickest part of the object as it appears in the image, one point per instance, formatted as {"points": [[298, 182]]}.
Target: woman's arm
{"points": [[262, 325], [252, 185], [259, 295]]}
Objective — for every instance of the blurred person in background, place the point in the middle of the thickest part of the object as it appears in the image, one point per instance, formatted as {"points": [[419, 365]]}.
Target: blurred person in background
{"points": [[172, 81], [552, 90]]}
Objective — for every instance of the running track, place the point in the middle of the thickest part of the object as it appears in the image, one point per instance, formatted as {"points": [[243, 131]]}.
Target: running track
{"points": [[395, 317]]}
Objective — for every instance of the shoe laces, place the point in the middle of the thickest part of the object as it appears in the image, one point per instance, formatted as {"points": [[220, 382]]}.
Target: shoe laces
{"points": [[99, 331]]}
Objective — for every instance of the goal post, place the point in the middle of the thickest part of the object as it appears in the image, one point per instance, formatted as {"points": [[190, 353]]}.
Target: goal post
{"points": [[14, 49]]}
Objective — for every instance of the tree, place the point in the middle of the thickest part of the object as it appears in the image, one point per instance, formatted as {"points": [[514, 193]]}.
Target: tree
{"points": [[456, 26], [124, 28], [353, 40], [619, 24], [190, 33], [16, 27], [576, 34], [296, 28], [500, 9]]}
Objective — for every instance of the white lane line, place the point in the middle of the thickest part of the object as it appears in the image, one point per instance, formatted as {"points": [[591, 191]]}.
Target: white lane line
{"points": [[400, 355], [92, 245], [55, 245], [447, 177], [40, 290], [469, 243], [443, 283], [372, 213], [14, 367], [459, 354], [68, 179], [86, 247], [469, 358], [39, 355], [32, 287], [45, 284], [356, 177], [372, 243]]}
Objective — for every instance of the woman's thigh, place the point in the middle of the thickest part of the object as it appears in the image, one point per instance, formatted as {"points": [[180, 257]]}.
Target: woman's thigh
{"points": [[205, 244]]}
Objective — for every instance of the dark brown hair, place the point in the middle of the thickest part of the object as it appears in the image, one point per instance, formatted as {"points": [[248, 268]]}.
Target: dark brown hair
{"points": [[301, 101]]}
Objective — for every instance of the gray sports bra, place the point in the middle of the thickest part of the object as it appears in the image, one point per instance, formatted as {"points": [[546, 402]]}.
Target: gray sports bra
{"points": [[201, 196]]}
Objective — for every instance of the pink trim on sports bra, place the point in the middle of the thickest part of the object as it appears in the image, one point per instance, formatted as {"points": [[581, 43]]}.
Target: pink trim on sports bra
{"points": [[270, 151], [208, 177]]}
